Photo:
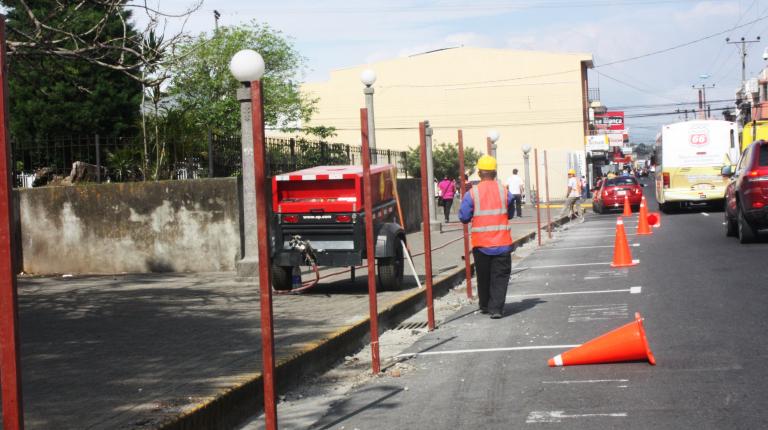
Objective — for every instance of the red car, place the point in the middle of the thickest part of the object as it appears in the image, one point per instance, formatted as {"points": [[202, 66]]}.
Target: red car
{"points": [[611, 193], [746, 196]]}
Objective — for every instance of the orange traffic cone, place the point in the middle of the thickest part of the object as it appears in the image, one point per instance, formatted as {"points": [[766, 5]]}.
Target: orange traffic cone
{"points": [[654, 219], [643, 228], [626, 343], [627, 207], [622, 256]]}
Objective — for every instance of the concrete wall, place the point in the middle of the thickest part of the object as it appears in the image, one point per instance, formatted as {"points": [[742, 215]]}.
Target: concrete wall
{"points": [[174, 226]]}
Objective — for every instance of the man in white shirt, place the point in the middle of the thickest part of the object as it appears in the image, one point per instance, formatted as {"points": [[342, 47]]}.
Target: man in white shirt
{"points": [[573, 193], [515, 187]]}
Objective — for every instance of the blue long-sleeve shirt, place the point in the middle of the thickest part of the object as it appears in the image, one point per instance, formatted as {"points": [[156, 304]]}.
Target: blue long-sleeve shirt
{"points": [[467, 211]]}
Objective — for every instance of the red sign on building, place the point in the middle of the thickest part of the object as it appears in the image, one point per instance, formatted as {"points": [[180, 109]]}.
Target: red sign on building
{"points": [[610, 121]]}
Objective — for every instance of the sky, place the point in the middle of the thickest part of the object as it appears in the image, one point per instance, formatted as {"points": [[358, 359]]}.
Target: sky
{"points": [[334, 34]]}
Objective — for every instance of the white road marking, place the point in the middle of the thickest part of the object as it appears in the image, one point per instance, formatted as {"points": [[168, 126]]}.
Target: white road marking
{"points": [[559, 416], [555, 266], [605, 236], [631, 290], [588, 229], [705, 214], [469, 351], [583, 247], [603, 274], [585, 313], [585, 381]]}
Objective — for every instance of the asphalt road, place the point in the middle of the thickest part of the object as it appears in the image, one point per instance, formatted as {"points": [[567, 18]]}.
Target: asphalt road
{"points": [[704, 299]]}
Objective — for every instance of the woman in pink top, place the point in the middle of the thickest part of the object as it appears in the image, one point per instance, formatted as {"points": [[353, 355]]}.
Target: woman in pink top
{"points": [[447, 192]]}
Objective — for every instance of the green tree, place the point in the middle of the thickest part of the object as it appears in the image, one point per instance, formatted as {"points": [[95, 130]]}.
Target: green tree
{"points": [[445, 158], [204, 88], [55, 96]]}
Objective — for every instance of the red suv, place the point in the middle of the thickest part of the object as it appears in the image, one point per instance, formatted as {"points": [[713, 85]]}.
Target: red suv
{"points": [[612, 191], [746, 196]]}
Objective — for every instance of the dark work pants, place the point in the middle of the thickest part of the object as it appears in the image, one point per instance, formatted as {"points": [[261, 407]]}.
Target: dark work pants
{"points": [[447, 203], [517, 205], [492, 279]]}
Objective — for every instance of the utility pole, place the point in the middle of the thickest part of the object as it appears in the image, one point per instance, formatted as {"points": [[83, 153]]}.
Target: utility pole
{"points": [[216, 16], [743, 42], [702, 99]]}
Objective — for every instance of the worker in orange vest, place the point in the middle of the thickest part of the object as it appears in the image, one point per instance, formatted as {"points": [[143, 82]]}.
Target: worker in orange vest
{"points": [[488, 207]]}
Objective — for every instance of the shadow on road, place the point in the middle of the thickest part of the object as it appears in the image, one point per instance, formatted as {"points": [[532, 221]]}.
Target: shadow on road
{"points": [[521, 306], [377, 403]]}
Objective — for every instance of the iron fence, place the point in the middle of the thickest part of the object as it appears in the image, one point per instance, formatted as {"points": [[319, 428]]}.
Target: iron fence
{"points": [[120, 159]]}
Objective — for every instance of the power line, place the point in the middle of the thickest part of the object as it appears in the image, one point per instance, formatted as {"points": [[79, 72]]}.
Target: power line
{"points": [[488, 7], [633, 86], [683, 45], [610, 63], [539, 123]]}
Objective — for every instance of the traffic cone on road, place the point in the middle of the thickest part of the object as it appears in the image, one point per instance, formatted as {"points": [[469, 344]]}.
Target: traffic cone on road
{"points": [[626, 343], [627, 207], [643, 228], [622, 256]]}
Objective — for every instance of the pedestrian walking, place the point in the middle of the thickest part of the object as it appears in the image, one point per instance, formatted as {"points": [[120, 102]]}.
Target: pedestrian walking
{"points": [[488, 207], [573, 194], [447, 192], [515, 187]]}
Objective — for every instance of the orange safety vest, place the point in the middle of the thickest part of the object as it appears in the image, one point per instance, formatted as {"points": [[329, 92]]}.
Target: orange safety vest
{"points": [[490, 226]]}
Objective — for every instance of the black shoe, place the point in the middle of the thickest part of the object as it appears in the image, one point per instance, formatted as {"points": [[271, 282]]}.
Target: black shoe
{"points": [[483, 311], [495, 315]]}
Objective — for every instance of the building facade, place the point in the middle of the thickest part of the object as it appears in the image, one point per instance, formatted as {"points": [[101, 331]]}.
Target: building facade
{"points": [[529, 97]]}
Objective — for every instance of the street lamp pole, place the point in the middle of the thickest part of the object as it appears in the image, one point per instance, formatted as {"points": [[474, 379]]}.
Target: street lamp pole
{"points": [[434, 224], [526, 166], [493, 136], [248, 66], [368, 78]]}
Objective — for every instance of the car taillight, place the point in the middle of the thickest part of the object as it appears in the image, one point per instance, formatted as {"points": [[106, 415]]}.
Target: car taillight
{"points": [[291, 219], [343, 218], [665, 179], [758, 175], [758, 205]]}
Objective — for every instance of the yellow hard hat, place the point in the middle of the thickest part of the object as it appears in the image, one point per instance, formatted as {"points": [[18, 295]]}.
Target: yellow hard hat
{"points": [[572, 171], [486, 162]]}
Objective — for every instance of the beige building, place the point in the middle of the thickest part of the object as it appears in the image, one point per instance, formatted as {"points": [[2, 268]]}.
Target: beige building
{"points": [[534, 98]]}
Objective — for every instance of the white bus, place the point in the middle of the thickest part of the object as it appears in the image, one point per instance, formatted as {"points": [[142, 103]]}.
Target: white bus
{"points": [[689, 156]]}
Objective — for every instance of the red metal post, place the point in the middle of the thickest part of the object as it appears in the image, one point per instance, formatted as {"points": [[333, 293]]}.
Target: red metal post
{"points": [[265, 284], [463, 185], [549, 203], [538, 195], [10, 371], [488, 146], [425, 223], [370, 250]]}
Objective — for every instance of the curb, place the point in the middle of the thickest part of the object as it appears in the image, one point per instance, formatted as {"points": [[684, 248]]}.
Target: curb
{"points": [[233, 406]]}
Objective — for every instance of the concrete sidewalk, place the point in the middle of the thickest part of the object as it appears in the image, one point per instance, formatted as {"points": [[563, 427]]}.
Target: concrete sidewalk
{"points": [[183, 350]]}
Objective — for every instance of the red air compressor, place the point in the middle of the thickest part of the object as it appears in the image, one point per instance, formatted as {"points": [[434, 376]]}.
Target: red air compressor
{"points": [[321, 208]]}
